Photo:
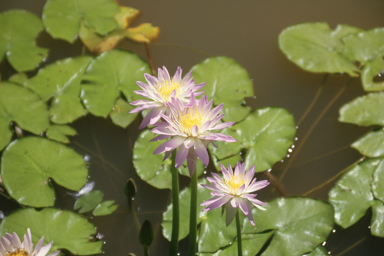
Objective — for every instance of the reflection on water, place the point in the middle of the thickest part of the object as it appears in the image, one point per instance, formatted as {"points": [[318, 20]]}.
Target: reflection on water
{"points": [[246, 31]]}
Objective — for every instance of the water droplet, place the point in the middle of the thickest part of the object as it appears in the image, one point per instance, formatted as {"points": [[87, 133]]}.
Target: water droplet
{"points": [[86, 158], [254, 97], [288, 155], [178, 253], [269, 170], [293, 146], [1, 215], [333, 230], [205, 172], [329, 253], [240, 153], [296, 138], [324, 243], [297, 127], [282, 160], [369, 227], [290, 150]]}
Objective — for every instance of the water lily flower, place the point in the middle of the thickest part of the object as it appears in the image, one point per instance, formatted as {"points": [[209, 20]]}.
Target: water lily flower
{"points": [[160, 91], [234, 190], [10, 245], [190, 127]]}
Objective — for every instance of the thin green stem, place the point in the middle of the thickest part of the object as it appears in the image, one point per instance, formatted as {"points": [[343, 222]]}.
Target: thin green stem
{"points": [[239, 243], [175, 208], [146, 253], [193, 216]]}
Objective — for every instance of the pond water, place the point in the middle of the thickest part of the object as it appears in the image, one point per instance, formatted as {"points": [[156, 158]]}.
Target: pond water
{"points": [[247, 31]]}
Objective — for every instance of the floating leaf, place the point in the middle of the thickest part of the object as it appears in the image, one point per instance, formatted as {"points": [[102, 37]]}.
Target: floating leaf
{"points": [[60, 132], [19, 29], [227, 82], [251, 244], [185, 199], [108, 75], [151, 168], [144, 33], [89, 201], [18, 78], [266, 133], [27, 165], [105, 208], [62, 17], [378, 181], [61, 82], [21, 105], [319, 251], [300, 224], [371, 144], [377, 222], [120, 114], [364, 110], [369, 72], [352, 196], [315, 47], [66, 229]]}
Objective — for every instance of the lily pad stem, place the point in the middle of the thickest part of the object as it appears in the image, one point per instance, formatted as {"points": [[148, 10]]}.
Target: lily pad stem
{"points": [[193, 216], [238, 228], [175, 209]]}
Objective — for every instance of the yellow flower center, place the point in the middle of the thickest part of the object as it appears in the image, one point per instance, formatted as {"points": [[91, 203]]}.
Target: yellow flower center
{"points": [[234, 184], [167, 88], [190, 119], [19, 252]]}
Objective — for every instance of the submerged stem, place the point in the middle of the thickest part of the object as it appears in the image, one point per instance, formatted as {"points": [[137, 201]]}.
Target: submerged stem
{"points": [[238, 228], [175, 208], [193, 216], [149, 58], [146, 253]]}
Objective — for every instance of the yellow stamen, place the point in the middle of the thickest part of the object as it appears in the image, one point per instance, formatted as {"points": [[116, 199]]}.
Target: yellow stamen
{"points": [[234, 184], [19, 252], [190, 119], [167, 88]]}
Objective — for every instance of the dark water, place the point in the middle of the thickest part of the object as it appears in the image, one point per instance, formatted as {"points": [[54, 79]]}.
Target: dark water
{"points": [[246, 31]]}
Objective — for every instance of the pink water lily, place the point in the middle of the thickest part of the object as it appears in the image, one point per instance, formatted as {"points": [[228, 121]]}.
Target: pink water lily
{"points": [[160, 90], [234, 190], [10, 245], [190, 128]]}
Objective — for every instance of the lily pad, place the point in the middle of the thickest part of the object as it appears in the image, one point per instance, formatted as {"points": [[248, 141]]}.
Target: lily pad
{"points": [[120, 114], [377, 221], [21, 105], [266, 134], [369, 72], [66, 229], [227, 82], [300, 224], [351, 196], [108, 75], [60, 132], [19, 29], [184, 208], [315, 47], [18, 78], [378, 181], [151, 168], [89, 201], [62, 18], [364, 110], [61, 82], [28, 164], [371, 144], [105, 208]]}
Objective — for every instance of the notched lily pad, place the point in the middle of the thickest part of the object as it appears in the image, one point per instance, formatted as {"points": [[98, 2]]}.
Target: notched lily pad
{"points": [[120, 114], [226, 82], [60, 82], [66, 229], [300, 224], [22, 106], [105, 208], [107, 76], [19, 29], [89, 201], [62, 18], [364, 110], [315, 47], [266, 134], [28, 164], [60, 132]]}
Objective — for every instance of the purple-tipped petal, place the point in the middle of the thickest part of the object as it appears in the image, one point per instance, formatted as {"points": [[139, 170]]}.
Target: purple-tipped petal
{"points": [[222, 125], [44, 250], [230, 213], [181, 155], [191, 161], [218, 203], [243, 206], [160, 137], [201, 151]]}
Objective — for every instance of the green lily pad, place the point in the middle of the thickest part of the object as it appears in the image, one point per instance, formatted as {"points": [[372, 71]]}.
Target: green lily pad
{"points": [[315, 47], [351, 196], [185, 199], [59, 132], [364, 110], [151, 168], [319, 251], [108, 75], [21, 105], [62, 17], [29, 163], [251, 245], [371, 144], [378, 181], [89, 201], [227, 82], [266, 133], [61, 82], [369, 72], [120, 114], [377, 221], [300, 224], [105, 208], [66, 229], [233, 160], [18, 78], [19, 29]]}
